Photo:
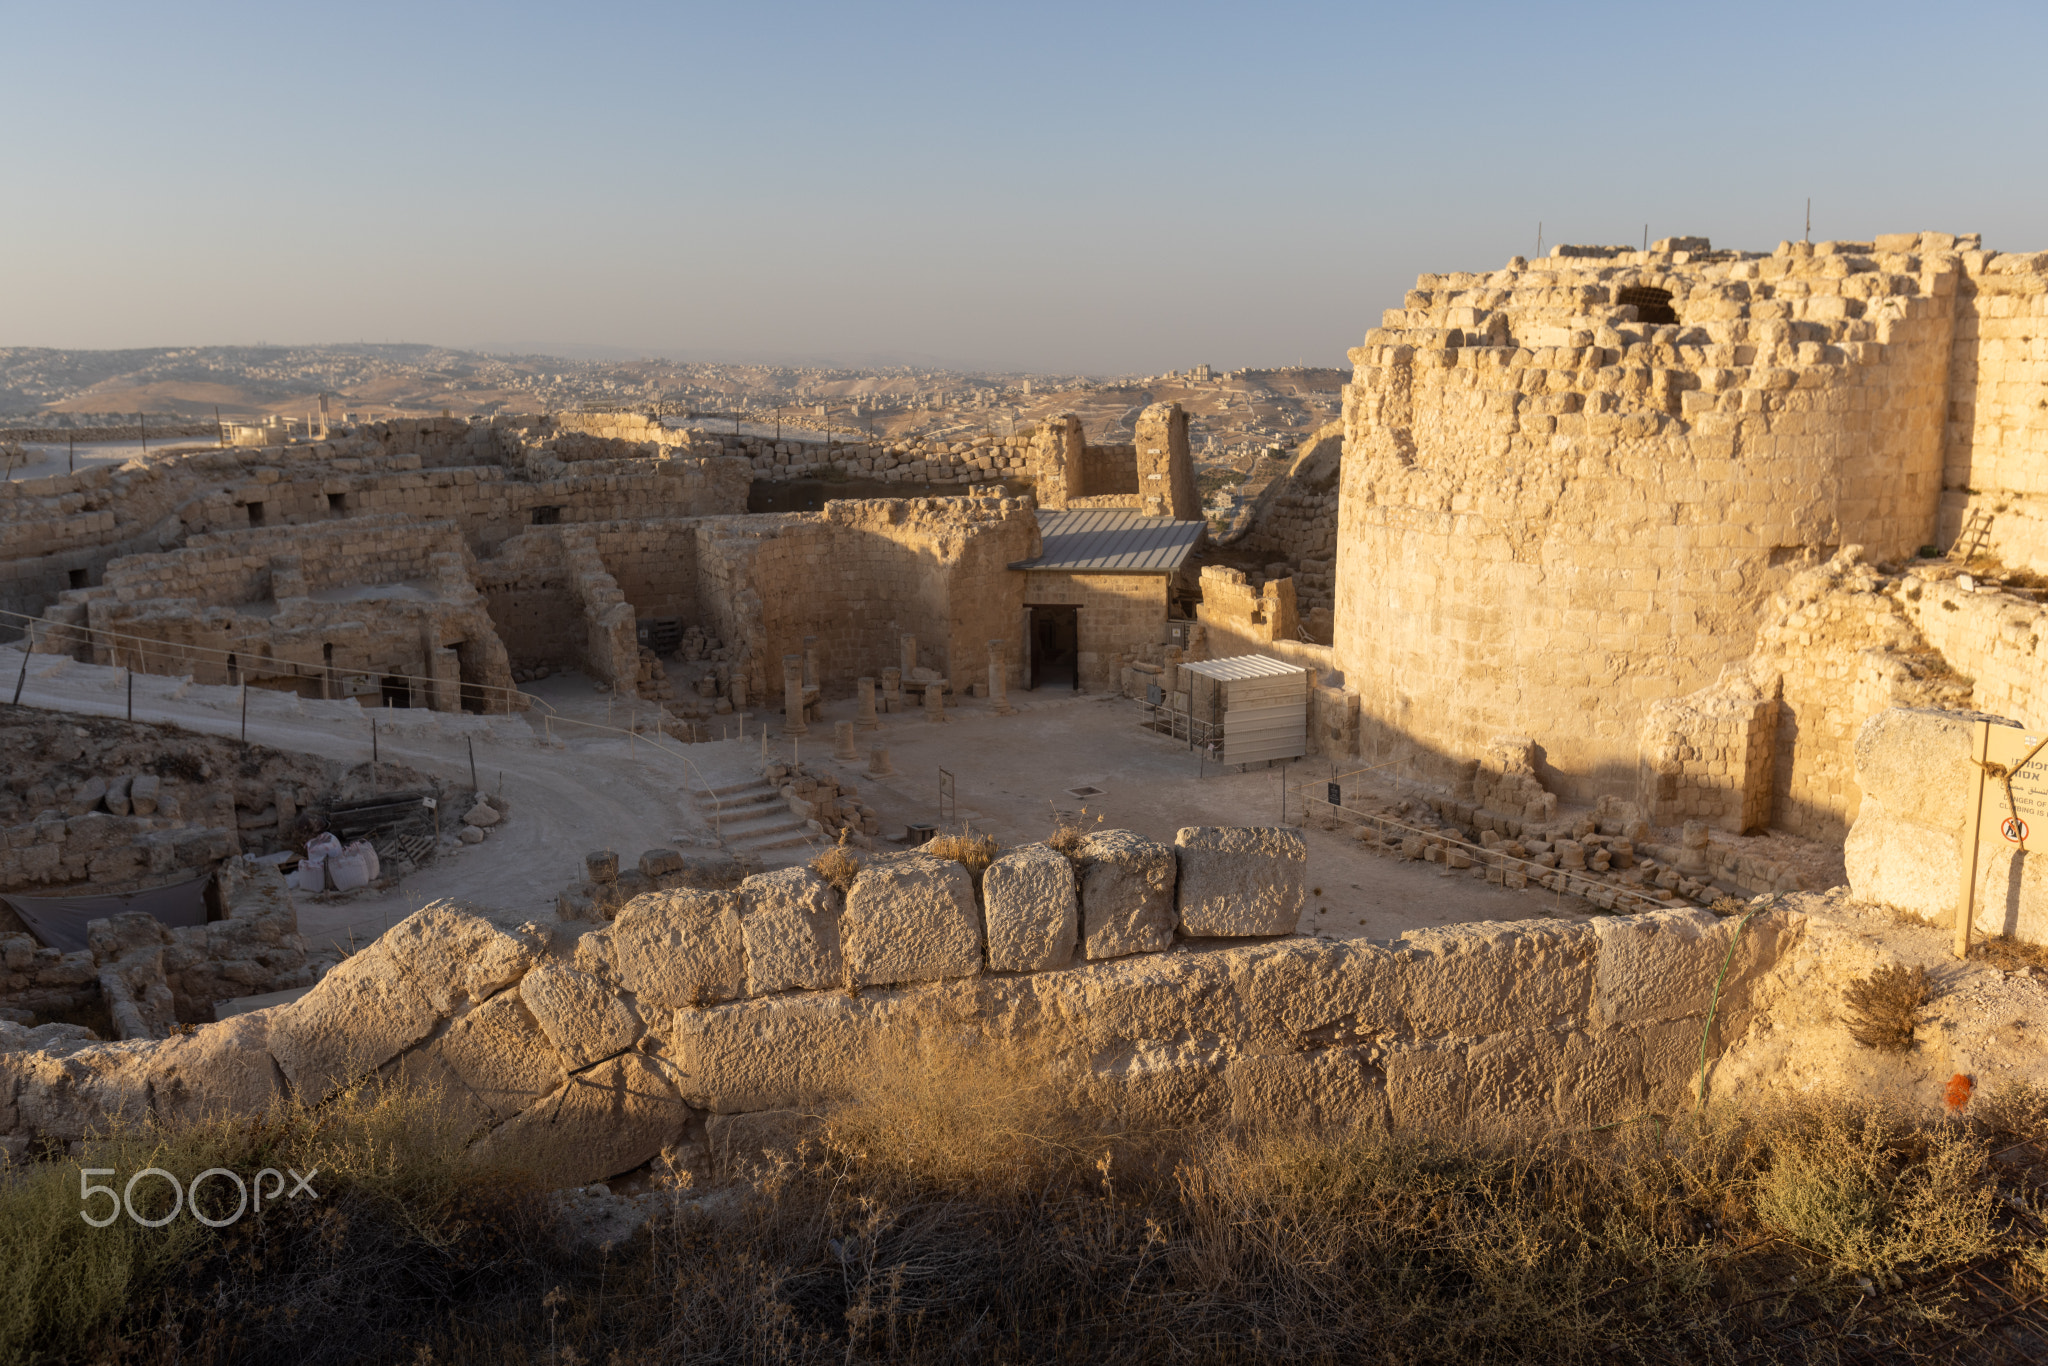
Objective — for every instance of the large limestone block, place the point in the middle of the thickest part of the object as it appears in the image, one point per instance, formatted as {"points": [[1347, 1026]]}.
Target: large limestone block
{"points": [[781, 1053], [1330, 1087], [66, 1093], [381, 1001], [670, 949], [911, 919], [2012, 898], [578, 1013], [493, 1062], [1033, 909], [222, 1068], [1663, 966], [1479, 978], [1126, 895], [789, 920], [1900, 863], [1916, 763], [1236, 881], [602, 1122]]}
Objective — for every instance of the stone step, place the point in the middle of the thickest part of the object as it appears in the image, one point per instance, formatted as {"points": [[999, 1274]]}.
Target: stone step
{"points": [[787, 838], [730, 789], [742, 800], [754, 824]]}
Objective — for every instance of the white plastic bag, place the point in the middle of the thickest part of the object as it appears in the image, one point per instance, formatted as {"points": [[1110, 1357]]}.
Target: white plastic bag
{"points": [[347, 870], [368, 853]]}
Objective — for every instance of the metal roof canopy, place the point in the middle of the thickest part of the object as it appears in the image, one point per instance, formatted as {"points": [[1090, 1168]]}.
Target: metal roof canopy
{"points": [[1112, 541], [1261, 702]]}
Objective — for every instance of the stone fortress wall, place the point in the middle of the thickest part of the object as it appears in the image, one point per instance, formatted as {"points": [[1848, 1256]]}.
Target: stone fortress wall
{"points": [[696, 1014], [1584, 498]]}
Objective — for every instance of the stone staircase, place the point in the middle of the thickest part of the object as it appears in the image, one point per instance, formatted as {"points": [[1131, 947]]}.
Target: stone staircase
{"points": [[753, 818]]}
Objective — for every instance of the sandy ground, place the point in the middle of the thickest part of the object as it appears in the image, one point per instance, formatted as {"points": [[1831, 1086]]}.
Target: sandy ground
{"points": [[574, 788], [592, 790], [1012, 772]]}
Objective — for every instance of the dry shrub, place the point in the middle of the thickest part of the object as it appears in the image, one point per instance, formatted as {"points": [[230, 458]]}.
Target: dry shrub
{"points": [[1873, 1194], [976, 851], [964, 1114], [1070, 832], [837, 865], [1884, 1007], [2010, 955]]}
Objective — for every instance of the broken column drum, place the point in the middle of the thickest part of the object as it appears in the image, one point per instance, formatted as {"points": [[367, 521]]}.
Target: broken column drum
{"points": [[865, 690], [934, 701], [878, 762], [909, 644], [892, 688], [842, 741]]}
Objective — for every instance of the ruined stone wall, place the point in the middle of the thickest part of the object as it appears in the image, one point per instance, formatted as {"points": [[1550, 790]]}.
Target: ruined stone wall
{"points": [[692, 1008], [62, 526], [1107, 471], [1555, 513], [258, 606], [234, 568], [533, 606], [1995, 471], [654, 563], [1163, 464], [1997, 640], [1121, 615], [1240, 619], [860, 575]]}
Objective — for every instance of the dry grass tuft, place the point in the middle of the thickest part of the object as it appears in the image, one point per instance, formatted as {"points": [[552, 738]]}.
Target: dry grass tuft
{"points": [[1070, 832], [1884, 1007], [837, 865], [977, 1201], [976, 851], [2010, 955]]}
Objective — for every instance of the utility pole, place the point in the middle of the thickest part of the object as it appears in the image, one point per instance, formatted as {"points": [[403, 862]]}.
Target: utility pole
{"points": [[1809, 218]]}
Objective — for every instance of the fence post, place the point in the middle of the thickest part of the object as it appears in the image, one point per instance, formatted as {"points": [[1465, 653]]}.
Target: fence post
{"points": [[28, 640]]}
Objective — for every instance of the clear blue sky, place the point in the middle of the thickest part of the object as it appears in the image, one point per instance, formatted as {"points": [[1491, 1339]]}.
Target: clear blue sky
{"points": [[1104, 187]]}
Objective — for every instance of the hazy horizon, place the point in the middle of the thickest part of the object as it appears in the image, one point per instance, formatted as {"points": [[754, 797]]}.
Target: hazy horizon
{"points": [[1065, 189]]}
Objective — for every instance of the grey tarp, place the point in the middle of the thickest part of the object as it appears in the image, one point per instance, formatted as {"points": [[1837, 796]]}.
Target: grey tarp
{"points": [[59, 921]]}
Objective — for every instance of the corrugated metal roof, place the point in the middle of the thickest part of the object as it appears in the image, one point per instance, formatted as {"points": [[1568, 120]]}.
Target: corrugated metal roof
{"points": [[1112, 541], [1243, 666]]}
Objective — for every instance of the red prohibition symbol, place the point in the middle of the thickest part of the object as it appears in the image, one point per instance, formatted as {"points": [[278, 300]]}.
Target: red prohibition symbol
{"points": [[2014, 829]]}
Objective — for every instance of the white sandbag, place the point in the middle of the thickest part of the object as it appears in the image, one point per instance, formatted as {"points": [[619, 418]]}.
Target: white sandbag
{"points": [[312, 875], [348, 870], [368, 853], [322, 846]]}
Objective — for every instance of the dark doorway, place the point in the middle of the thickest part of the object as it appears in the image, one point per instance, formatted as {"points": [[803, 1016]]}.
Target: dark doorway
{"points": [[1056, 647], [397, 690], [1652, 305]]}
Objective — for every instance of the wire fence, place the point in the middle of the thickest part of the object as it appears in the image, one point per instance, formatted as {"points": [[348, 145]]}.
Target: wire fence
{"points": [[646, 723]]}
